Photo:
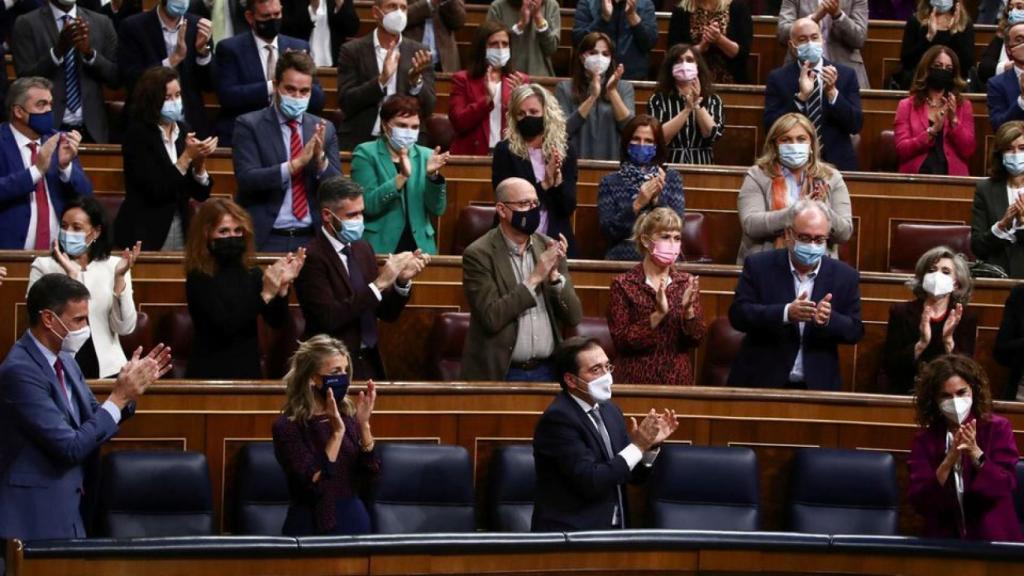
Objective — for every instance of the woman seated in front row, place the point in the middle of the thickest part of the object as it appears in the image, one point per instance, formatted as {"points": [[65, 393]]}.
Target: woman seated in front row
{"points": [[789, 169], [641, 185], [936, 322]]}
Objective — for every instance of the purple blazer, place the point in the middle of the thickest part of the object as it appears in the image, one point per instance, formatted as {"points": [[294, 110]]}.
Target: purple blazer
{"points": [[988, 492]]}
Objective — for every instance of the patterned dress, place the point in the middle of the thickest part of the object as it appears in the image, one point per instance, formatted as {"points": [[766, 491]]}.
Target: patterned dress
{"points": [[689, 146], [718, 65]]}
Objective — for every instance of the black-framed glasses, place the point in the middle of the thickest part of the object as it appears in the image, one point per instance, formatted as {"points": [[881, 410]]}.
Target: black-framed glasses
{"points": [[521, 204], [808, 239]]}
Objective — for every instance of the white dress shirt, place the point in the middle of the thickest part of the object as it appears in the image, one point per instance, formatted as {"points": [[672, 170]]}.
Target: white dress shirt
{"points": [[65, 175], [261, 49], [1011, 197], [801, 284], [286, 219], [495, 117], [802, 106], [171, 41], [392, 86], [51, 359], [631, 453], [320, 39]]}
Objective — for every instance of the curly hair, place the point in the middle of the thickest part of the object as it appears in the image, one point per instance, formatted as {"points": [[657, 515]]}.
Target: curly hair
{"points": [[933, 375], [555, 139], [961, 274]]}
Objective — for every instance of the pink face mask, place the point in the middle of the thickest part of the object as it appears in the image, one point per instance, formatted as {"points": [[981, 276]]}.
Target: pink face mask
{"points": [[665, 252], [685, 71]]}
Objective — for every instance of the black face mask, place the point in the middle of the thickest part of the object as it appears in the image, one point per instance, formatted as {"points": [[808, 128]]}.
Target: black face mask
{"points": [[229, 250], [531, 126], [939, 79], [526, 221], [268, 29]]}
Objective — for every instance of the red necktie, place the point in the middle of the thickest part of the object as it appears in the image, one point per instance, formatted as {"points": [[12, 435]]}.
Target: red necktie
{"points": [[300, 207], [42, 209], [58, 367]]}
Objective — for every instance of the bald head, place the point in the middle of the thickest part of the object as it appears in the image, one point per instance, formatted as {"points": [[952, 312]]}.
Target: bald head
{"points": [[514, 189], [811, 217], [803, 30]]}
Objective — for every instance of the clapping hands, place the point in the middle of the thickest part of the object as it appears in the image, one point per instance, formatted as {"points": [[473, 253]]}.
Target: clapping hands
{"points": [[654, 429]]}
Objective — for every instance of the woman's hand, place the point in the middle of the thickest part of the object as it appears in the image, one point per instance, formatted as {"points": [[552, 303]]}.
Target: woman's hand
{"points": [[595, 85], [128, 258], [71, 268], [952, 319], [933, 25], [365, 402], [690, 297], [552, 172], [661, 306], [819, 190], [925, 329], [334, 416], [613, 79], [950, 110], [966, 440], [272, 280], [437, 161]]}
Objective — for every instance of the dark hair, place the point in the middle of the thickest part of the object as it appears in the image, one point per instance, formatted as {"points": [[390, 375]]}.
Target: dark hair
{"points": [[659, 138], [919, 85], [580, 82], [933, 375], [338, 188], [53, 292], [296, 60], [399, 105], [566, 356], [483, 33], [1005, 136], [100, 247], [667, 82], [150, 93]]}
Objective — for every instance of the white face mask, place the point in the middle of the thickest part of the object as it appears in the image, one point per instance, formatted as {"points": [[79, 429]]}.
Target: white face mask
{"points": [[600, 389], [394, 22], [956, 409], [937, 284], [596, 63], [73, 341], [498, 57]]}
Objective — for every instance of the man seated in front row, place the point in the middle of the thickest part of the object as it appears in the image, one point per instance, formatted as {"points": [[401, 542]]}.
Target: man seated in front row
{"points": [[519, 292], [796, 305], [582, 450]]}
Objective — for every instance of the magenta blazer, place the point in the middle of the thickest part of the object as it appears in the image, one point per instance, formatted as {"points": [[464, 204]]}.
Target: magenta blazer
{"points": [[988, 492], [912, 144], [469, 109]]}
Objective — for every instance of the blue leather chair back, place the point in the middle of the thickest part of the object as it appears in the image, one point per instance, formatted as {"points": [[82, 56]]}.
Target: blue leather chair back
{"points": [[423, 488], [261, 491], [844, 492], [1018, 496], [704, 488], [147, 494], [512, 481]]}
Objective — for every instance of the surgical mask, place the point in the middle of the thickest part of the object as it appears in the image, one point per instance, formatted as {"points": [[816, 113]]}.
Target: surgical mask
{"points": [[794, 155], [531, 126], [73, 341], [641, 153], [67, 3], [808, 253], [1014, 163], [1016, 16], [41, 123], [338, 385], [526, 221], [176, 8], [939, 79], [665, 252], [956, 408], [267, 29], [809, 52], [685, 71], [349, 230], [596, 63], [600, 389], [498, 57], [394, 22], [228, 250], [942, 6], [172, 110], [292, 108], [73, 243], [403, 138], [937, 284]]}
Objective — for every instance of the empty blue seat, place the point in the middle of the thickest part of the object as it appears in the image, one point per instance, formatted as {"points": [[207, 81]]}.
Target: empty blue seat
{"points": [[423, 488], [704, 488], [512, 481], [844, 492], [261, 491]]}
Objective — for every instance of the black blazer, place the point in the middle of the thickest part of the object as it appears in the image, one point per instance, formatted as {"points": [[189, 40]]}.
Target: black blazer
{"points": [[1009, 348], [990, 204], [141, 46], [559, 201], [916, 43], [3, 83], [154, 189], [740, 31], [901, 336], [576, 481], [343, 24], [770, 346]]}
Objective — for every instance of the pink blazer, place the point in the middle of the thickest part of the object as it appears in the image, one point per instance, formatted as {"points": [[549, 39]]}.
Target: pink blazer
{"points": [[912, 144], [469, 109]]}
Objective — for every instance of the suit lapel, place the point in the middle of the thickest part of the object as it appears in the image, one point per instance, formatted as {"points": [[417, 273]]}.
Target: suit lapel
{"points": [[999, 200], [335, 259], [55, 389], [588, 424], [502, 261], [9, 146], [404, 63], [273, 129], [74, 388], [823, 281], [49, 23], [156, 33], [251, 52]]}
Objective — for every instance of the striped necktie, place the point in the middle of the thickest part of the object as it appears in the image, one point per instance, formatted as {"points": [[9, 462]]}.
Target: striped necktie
{"points": [[71, 87], [814, 107]]}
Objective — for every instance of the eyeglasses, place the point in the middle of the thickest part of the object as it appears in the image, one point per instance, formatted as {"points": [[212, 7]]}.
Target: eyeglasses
{"points": [[808, 239], [522, 204], [601, 369]]}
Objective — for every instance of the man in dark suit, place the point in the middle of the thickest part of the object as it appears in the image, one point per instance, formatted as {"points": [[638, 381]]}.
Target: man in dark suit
{"points": [[326, 24], [10, 11], [3, 83], [1004, 90], [281, 154], [582, 452], [76, 49], [39, 169], [168, 36], [50, 422], [826, 92], [227, 17], [796, 305], [376, 66], [340, 289], [245, 63]]}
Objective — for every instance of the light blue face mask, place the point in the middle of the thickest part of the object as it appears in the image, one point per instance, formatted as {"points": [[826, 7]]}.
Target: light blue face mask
{"points": [[292, 108], [172, 110], [350, 230], [808, 253], [72, 243], [809, 52], [1014, 163], [403, 138], [794, 155], [176, 8], [1015, 16], [942, 6]]}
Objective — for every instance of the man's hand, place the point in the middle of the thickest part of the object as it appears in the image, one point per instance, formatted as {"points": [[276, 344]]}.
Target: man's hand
{"points": [[645, 434], [823, 311], [389, 271], [801, 309], [667, 423], [203, 34], [310, 150], [829, 76], [390, 66], [67, 148], [45, 154], [548, 262], [138, 373], [607, 6], [806, 82], [80, 37], [421, 60], [415, 264], [181, 47], [65, 40]]}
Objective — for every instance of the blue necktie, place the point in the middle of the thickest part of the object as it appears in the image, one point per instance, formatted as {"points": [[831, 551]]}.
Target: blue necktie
{"points": [[71, 87]]}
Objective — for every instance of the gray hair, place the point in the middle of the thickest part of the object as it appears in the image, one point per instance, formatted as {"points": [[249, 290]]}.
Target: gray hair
{"points": [[18, 92], [961, 274], [501, 193], [806, 204]]}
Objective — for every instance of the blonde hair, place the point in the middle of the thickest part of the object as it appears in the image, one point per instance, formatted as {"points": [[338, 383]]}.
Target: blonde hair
{"points": [[661, 219], [691, 5], [768, 162], [554, 137], [924, 10], [305, 364]]}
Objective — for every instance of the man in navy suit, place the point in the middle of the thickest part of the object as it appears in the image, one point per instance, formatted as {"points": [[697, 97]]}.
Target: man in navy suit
{"points": [[826, 92], [281, 154], [796, 305], [582, 452], [1004, 90], [169, 36], [244, 66], [50, 422], [39, 169]]}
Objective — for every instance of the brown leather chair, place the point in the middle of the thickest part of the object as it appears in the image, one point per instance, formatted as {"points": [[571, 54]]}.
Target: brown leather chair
{"points": [[447, 337], [278, 345], [595, 327], [909, 240], [885, 153], [723, 343], [175, 330], [695, 239], [138, 337], [439, 132], [473, 222]]}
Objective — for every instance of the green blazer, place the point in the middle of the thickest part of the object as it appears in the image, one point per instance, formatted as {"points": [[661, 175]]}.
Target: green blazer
{"points": [[387, 207]]}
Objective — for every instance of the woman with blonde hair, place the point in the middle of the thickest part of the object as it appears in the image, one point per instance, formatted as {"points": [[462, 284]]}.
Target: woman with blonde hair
{"points": [[323, 441], [536, 148], [654, 313], [226, 294], [936, 22], [789, 169], [720, 30]]}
